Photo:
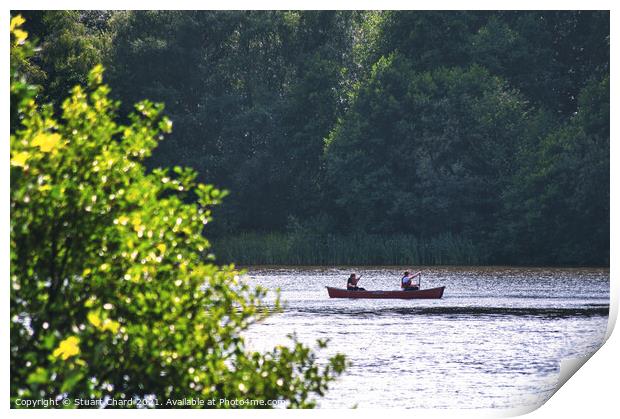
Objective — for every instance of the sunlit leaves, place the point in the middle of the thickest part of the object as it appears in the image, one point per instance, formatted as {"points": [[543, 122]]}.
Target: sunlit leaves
{"points": [[95, 77], [46, 141], [17, 34], [114, 257], [165, 125], [104, 324], [67, 348], [16, 22], [20, 158]]}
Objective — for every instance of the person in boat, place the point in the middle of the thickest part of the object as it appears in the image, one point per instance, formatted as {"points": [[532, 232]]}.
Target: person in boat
{"points": [[352, 283], [407, 282]]}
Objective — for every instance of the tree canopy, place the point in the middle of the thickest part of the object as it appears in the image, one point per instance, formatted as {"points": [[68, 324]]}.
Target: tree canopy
{"points": [[472, 123]]}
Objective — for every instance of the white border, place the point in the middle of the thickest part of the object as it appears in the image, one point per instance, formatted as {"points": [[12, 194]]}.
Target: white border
{"points": [[590, 393]]}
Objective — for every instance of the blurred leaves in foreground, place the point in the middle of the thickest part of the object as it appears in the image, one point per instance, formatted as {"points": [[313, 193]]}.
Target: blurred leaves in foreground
{"points": [[113, 289]]}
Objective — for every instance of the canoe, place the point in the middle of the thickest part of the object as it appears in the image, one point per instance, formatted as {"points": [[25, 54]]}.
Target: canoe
{"points": [[406, 295]]}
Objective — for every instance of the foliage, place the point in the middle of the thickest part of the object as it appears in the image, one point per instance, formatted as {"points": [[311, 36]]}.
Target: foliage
{"points": [[429, 150], [494, 108], [113, 289], [67, 50], [557, 206], [548, 55], [262, 93], [22, 89]]}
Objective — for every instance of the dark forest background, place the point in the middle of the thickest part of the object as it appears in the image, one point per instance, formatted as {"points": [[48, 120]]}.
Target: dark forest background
{"points": [[368, 137]]}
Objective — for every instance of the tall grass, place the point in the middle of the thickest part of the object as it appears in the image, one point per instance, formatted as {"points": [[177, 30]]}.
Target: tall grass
{"points": [[356, 249]]}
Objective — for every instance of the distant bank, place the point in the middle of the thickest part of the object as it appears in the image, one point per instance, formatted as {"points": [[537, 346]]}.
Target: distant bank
{"points": [[360, 249]]}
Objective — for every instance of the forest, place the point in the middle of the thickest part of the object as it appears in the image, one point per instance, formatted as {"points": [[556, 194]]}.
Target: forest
{"points": [[366, 137]]}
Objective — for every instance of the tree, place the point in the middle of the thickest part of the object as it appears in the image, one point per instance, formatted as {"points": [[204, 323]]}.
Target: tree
{"points": [[557, 207], [113, 290], [262, 92], [472, 97], [548, 55], [318, 49], [430, 39], [67, 49], [425, 153]]}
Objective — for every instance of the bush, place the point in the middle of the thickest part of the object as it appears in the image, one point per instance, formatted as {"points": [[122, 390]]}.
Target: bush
{"points": [[113, 290]]}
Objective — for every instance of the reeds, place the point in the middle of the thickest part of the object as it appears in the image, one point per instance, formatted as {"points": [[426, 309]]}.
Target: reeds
{"points": [[356, 249]]}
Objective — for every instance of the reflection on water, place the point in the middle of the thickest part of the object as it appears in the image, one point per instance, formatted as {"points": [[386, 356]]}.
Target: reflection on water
{"points": [[495, 340]]}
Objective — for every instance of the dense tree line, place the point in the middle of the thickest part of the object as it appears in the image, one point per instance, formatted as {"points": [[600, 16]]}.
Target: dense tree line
{"points": [[491, 126]]}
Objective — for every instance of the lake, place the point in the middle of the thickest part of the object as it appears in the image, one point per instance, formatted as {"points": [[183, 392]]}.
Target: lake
{"points": [[495, 340]]}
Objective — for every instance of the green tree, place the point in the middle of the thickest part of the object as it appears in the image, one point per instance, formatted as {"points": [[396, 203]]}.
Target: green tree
{"points": [[550, 56], [430, 39], [557, 207], [253, 95], [219, 74], [113, 289], [261, 93], [67, 49], [317, 48], [424, 153]]}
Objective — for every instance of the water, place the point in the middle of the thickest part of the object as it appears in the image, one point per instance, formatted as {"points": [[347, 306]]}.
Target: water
{"points": [[495, 340]]}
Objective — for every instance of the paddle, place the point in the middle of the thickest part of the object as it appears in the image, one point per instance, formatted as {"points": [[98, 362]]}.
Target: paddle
{"points": [[419, 274]]}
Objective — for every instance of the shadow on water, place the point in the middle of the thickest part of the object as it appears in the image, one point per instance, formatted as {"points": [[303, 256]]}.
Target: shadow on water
{"points": [[589, 311]]}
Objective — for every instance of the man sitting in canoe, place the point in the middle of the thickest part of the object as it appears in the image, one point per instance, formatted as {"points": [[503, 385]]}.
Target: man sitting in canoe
{"points": [[352, 283], [407, 284]]}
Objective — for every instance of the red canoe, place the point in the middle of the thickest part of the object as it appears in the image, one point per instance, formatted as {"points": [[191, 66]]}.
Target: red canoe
{"points": [[407, 295]]}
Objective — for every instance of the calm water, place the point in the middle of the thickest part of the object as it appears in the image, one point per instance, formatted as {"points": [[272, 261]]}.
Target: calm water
{"points": [[495, 340]]}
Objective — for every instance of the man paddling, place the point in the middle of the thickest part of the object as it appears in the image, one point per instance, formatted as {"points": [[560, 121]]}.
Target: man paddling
{"points": [[406, 282], [352, 283]]}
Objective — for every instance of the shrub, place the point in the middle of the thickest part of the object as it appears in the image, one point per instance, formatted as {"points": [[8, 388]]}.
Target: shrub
{"points": [[113, 290]]}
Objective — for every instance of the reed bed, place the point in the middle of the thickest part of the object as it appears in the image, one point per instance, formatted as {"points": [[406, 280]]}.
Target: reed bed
{"points": [[354, 249]]}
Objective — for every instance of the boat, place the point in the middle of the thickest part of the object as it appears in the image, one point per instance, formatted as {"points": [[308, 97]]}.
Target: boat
{"points": [[428, 293]]}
